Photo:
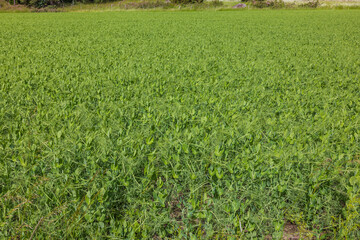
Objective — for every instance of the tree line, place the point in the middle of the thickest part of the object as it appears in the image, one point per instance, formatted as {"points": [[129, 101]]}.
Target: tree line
{"points": [[44, 3]]}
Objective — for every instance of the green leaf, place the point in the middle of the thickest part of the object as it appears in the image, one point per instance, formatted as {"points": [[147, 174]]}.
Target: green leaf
{"points": [[88, 198], [354, 180]]}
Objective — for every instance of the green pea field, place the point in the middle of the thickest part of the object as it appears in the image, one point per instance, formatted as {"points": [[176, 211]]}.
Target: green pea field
{"points": [[180, 125]]}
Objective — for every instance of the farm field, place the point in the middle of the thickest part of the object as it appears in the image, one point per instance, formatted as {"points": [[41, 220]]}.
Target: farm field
{"points": [[180, 125]]}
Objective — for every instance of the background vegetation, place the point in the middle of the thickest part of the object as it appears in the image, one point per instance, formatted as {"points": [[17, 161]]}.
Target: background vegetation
{"points": [[84, 5], [62, 3], [180, 124]]}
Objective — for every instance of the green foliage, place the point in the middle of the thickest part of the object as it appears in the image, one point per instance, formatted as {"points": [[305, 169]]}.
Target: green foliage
{"points": [[186, 1], [147, 5], [45, 3], [268, 4], [188, 125], [310, 4]]}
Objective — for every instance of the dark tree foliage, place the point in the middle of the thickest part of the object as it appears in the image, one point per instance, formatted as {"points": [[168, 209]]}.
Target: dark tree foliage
{"points": [[44, 3]]}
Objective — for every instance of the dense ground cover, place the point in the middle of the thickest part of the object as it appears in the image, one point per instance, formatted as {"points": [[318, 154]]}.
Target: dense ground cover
{"points": [[184, 124]]}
